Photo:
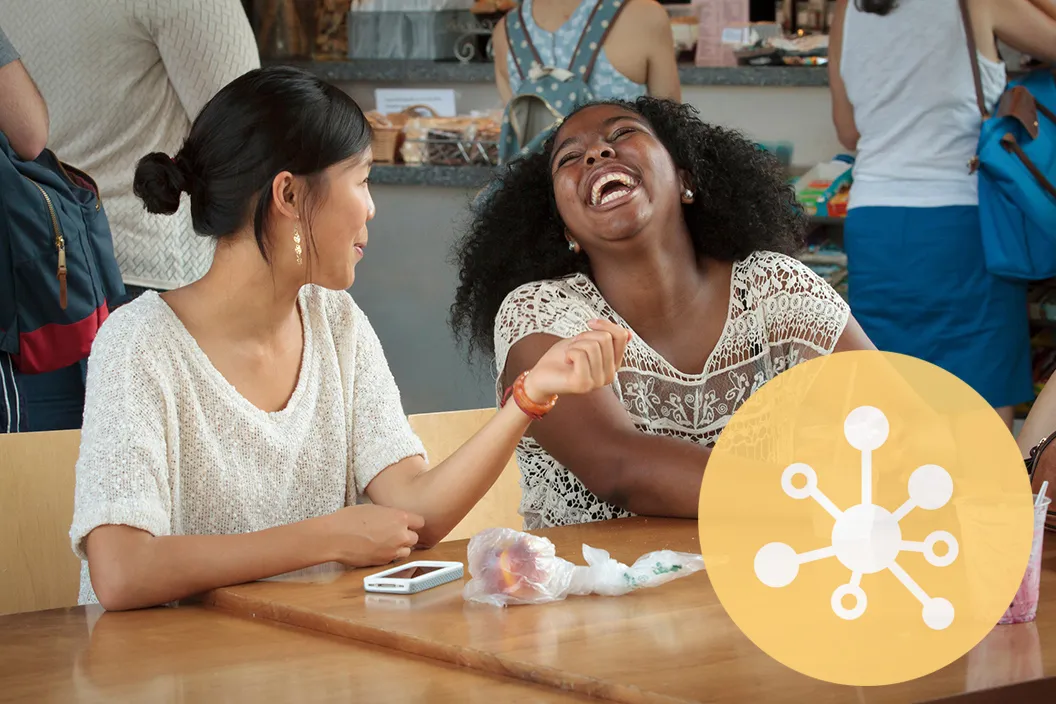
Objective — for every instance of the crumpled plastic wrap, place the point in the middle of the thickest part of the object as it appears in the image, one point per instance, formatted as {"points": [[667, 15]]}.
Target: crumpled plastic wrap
{"points": [[508, 567]]}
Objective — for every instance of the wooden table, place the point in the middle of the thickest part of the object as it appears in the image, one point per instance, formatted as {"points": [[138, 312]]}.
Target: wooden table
{"points": [[318, 637], [193, 654], [672, 644]]}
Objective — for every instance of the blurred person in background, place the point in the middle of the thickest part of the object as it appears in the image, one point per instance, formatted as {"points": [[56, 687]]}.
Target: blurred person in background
{"points": [[637, 56], [904, 97], [123, 78]]}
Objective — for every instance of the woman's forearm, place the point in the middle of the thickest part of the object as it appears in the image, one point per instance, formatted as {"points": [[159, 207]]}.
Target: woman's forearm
{"points": [[648, 475], [444, 494], [664, 486], [131, 569]]}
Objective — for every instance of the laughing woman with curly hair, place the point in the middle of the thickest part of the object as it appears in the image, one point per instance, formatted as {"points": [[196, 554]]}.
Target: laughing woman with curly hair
{"points": [[641, 214]]}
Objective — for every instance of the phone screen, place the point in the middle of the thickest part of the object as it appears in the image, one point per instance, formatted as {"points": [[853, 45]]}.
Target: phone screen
{"points": [[412, 572]]}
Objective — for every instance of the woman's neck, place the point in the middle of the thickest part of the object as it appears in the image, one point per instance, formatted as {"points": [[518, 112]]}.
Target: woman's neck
{"points": [[241, 294], [656, 286]]}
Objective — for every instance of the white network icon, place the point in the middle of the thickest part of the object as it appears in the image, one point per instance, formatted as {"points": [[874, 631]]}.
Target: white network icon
{"points": [[867, 538]]}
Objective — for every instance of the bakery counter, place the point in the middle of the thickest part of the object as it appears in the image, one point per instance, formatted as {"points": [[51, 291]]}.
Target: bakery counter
{"points": [[770, 104], [409, 71]]}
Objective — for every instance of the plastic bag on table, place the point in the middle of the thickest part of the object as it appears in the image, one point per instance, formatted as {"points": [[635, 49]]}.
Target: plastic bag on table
{"points": [[510, 567]]}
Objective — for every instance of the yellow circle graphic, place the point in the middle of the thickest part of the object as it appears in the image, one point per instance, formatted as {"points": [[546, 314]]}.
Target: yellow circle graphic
{"points": [[866, 518]]}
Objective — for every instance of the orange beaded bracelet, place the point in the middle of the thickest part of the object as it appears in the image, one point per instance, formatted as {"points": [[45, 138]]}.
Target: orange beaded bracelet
{"points": [[533, 410]]}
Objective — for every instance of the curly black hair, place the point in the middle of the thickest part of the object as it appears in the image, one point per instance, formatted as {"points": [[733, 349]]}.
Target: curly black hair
{"points": [[744, 203]]}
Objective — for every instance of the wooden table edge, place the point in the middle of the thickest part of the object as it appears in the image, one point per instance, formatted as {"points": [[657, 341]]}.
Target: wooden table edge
{"points": [[1041, 690], [488, 663]]}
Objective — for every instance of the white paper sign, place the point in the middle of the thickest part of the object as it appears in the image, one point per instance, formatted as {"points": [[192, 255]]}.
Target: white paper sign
{"points": [[393, 100], [737, 36]]}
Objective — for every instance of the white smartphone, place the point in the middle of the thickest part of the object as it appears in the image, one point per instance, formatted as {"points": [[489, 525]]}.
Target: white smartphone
{"points": [[413, 577]]}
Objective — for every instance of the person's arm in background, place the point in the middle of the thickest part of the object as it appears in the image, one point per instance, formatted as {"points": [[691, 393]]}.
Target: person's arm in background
{"points": [[204, 44], [1041, 421], [662, 63], [594, 437], [23, 112], [1027, 26], [499, 49], [842, 110]]}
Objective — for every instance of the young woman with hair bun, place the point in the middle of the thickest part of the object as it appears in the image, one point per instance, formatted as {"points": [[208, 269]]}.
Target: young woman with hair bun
{"points": [[236, 427]]}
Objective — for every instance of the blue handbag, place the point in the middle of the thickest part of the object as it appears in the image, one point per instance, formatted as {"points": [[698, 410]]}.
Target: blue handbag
{"points": [[58, 274], [1016, 163]]}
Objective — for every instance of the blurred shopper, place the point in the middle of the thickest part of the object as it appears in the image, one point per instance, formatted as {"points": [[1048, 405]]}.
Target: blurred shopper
{"points": [[636, 56], [903, 96], [123, 78]]}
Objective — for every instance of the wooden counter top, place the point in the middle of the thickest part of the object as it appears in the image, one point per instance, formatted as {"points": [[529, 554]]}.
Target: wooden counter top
{"points": [[192, 654], [670, 644]]}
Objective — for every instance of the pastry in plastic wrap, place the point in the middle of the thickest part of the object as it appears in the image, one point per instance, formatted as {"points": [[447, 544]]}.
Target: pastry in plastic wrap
{"points": [[509, 567]]}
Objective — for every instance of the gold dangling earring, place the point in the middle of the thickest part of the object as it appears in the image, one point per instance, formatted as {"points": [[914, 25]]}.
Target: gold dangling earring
{"points": [[297, 245]]}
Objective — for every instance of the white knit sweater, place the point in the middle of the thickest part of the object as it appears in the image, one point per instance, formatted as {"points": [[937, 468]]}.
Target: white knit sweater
{"points": [[170, 447], [123, 78]]}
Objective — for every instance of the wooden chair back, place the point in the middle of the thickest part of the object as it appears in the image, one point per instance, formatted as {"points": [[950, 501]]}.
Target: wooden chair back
{"points": [[38, 570]]}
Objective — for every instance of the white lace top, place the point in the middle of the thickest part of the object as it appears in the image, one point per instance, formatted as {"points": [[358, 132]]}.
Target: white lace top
{"points": [[781, 313]]}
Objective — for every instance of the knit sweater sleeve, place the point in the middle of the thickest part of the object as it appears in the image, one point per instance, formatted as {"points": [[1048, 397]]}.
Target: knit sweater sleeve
{"points": [[380, 434], [204, 44], [122, 473]]}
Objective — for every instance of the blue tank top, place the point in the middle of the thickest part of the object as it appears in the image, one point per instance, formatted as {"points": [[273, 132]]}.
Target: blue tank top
{"points": [[555, 49]]}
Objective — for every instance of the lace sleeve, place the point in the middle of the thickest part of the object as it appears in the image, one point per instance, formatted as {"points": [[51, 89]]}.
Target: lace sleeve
{"points": [[548, 307], [804, 315]]}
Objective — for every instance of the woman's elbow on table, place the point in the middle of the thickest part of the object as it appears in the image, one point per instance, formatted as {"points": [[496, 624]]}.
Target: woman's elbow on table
{"points": [[112, 552], [430, 536], [113, 587]]}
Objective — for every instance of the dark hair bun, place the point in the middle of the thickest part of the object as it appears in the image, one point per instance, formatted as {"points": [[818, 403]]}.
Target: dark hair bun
{"points": [[158, 182], [265, 122]]}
